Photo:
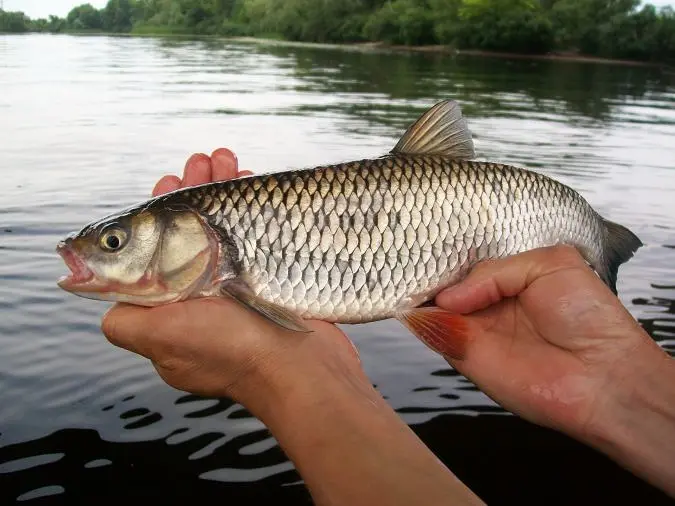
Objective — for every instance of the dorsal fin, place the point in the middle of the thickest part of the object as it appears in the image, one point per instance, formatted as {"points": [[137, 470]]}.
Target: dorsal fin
{"points": [[442, 130]]}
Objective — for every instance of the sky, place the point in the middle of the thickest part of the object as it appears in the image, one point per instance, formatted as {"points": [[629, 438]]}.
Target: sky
{"points": [[43, 8]]}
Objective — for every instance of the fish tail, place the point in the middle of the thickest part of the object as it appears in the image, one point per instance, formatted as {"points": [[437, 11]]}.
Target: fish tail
{"points": [[620, 245]]}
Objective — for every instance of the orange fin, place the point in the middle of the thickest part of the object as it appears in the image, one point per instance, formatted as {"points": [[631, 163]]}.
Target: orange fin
{"points": [[444, 332]]}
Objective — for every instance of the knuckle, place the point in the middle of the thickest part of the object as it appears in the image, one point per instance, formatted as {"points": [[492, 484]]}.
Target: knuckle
{"points": [[494, 292], [168, 374], [110, 328], [168, 363], [483, 266], [181, 374], [167, 338]]}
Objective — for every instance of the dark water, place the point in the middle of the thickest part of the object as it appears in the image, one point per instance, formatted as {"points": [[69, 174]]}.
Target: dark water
{"points": [[88, 124]]}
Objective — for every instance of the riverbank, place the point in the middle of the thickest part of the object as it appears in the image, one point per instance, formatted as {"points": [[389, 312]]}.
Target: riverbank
{"points": [[581, 31], [449, 50], [558, 56]]}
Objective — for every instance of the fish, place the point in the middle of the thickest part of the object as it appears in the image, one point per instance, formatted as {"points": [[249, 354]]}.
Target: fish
{"points": [[351, 242]]}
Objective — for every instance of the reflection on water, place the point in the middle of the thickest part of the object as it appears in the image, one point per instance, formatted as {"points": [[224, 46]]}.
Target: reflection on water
{"points": [[88, 124], [659, 317]]}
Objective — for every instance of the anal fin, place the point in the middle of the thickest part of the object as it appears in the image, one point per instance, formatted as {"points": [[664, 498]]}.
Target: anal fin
{"points": [[444, 332], [274, 313]]}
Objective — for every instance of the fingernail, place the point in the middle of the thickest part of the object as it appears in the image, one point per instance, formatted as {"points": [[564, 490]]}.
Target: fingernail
{"points": [[198, 160], [224, 153], [202, 159]]}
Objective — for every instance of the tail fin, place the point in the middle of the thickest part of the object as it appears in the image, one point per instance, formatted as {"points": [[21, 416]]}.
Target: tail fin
{"points": [[620, 245]]}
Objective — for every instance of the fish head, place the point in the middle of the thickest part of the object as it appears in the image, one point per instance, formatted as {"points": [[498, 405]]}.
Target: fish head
{"points": [[147, 256]]}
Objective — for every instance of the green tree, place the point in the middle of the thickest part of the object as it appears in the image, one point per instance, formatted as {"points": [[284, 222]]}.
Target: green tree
{"points": [[56, 24], [306, 20], [665, 36], [612, 28], [577, 23], [85, 16], [506, 25], [446, 19], [117, 16], [14, 22], [39, 25], [402, 22]]}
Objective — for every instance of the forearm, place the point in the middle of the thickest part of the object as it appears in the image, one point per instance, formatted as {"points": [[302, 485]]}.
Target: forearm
{"points": [[638, 430], [351, 448]]}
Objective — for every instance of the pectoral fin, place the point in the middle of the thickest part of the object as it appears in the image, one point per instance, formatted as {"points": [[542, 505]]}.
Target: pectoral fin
{"points": [[444, 332], [276, 314]]}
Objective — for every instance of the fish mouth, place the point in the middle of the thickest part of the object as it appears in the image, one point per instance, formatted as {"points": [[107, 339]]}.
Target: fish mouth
{"points": [[80, 274]]}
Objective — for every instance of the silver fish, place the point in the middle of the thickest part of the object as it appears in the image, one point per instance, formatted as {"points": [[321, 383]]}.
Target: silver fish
{"points": [[349, 243]]}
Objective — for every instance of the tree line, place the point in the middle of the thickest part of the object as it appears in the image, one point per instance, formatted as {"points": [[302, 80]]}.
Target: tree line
{"points": [[606, 28]]}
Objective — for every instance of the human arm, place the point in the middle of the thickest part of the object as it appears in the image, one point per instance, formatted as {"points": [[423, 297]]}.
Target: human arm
{"points": [[637, 426], [551, 343], [348, 444]]}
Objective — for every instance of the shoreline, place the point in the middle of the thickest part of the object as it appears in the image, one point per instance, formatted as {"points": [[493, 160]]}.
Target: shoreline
{"points": [[556, 56], [560, 56]]}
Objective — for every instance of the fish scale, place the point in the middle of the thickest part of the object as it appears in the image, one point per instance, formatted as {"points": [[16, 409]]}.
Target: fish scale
{"points": [[357, 241], [348, 243]]}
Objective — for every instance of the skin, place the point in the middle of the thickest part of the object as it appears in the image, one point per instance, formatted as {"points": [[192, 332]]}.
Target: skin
{"points": [[548, 341], [551, 343]]}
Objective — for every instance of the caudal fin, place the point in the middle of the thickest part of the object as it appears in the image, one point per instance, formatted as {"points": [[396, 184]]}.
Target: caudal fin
{"points": [[620, 245]]}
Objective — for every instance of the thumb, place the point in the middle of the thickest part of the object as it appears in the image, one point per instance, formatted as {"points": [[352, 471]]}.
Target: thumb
{"points": [[136, 328], [494, 280], [150, 331]]}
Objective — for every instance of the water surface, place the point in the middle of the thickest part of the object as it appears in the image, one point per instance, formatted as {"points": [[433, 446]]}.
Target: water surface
{"points": [[88, 124]]}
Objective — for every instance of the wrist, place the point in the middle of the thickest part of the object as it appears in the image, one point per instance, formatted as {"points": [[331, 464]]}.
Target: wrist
{"points": [[297, 376], [348, 444], [636, 425], [636, 390]]}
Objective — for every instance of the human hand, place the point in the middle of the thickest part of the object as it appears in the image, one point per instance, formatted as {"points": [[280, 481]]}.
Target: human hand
{"points": [[549, 341], [214, 346], [308, 388]]}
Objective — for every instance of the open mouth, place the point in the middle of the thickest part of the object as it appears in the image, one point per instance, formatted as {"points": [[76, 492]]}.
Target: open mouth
{"points": [[79, 272]]}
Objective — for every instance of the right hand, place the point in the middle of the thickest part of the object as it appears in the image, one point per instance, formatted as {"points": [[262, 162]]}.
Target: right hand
{"points": [[310, 390], [215, 347], [549, 341]]}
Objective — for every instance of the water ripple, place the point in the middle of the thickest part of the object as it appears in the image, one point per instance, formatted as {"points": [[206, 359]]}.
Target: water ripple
{"points": [[95, 121]]}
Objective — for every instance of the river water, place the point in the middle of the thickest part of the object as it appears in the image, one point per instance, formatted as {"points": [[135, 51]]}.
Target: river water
{"points": [[88, 124]]}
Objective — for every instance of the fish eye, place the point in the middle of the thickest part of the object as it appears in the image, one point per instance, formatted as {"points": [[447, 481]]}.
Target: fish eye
{"points": [[113, 239]]}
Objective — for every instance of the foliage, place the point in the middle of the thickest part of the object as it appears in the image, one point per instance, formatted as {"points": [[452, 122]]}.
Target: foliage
{"points": [[117, 16], [306, 20], [610, 28], [14, 22], [85, 17], [507, 25], [402, 22]]}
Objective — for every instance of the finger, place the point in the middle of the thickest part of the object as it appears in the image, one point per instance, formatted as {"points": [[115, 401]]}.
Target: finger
{"points": [[165, 185], [243, 173], [492, 281], [159, 331], [224, 163], [197, 170], [126, 326]]}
